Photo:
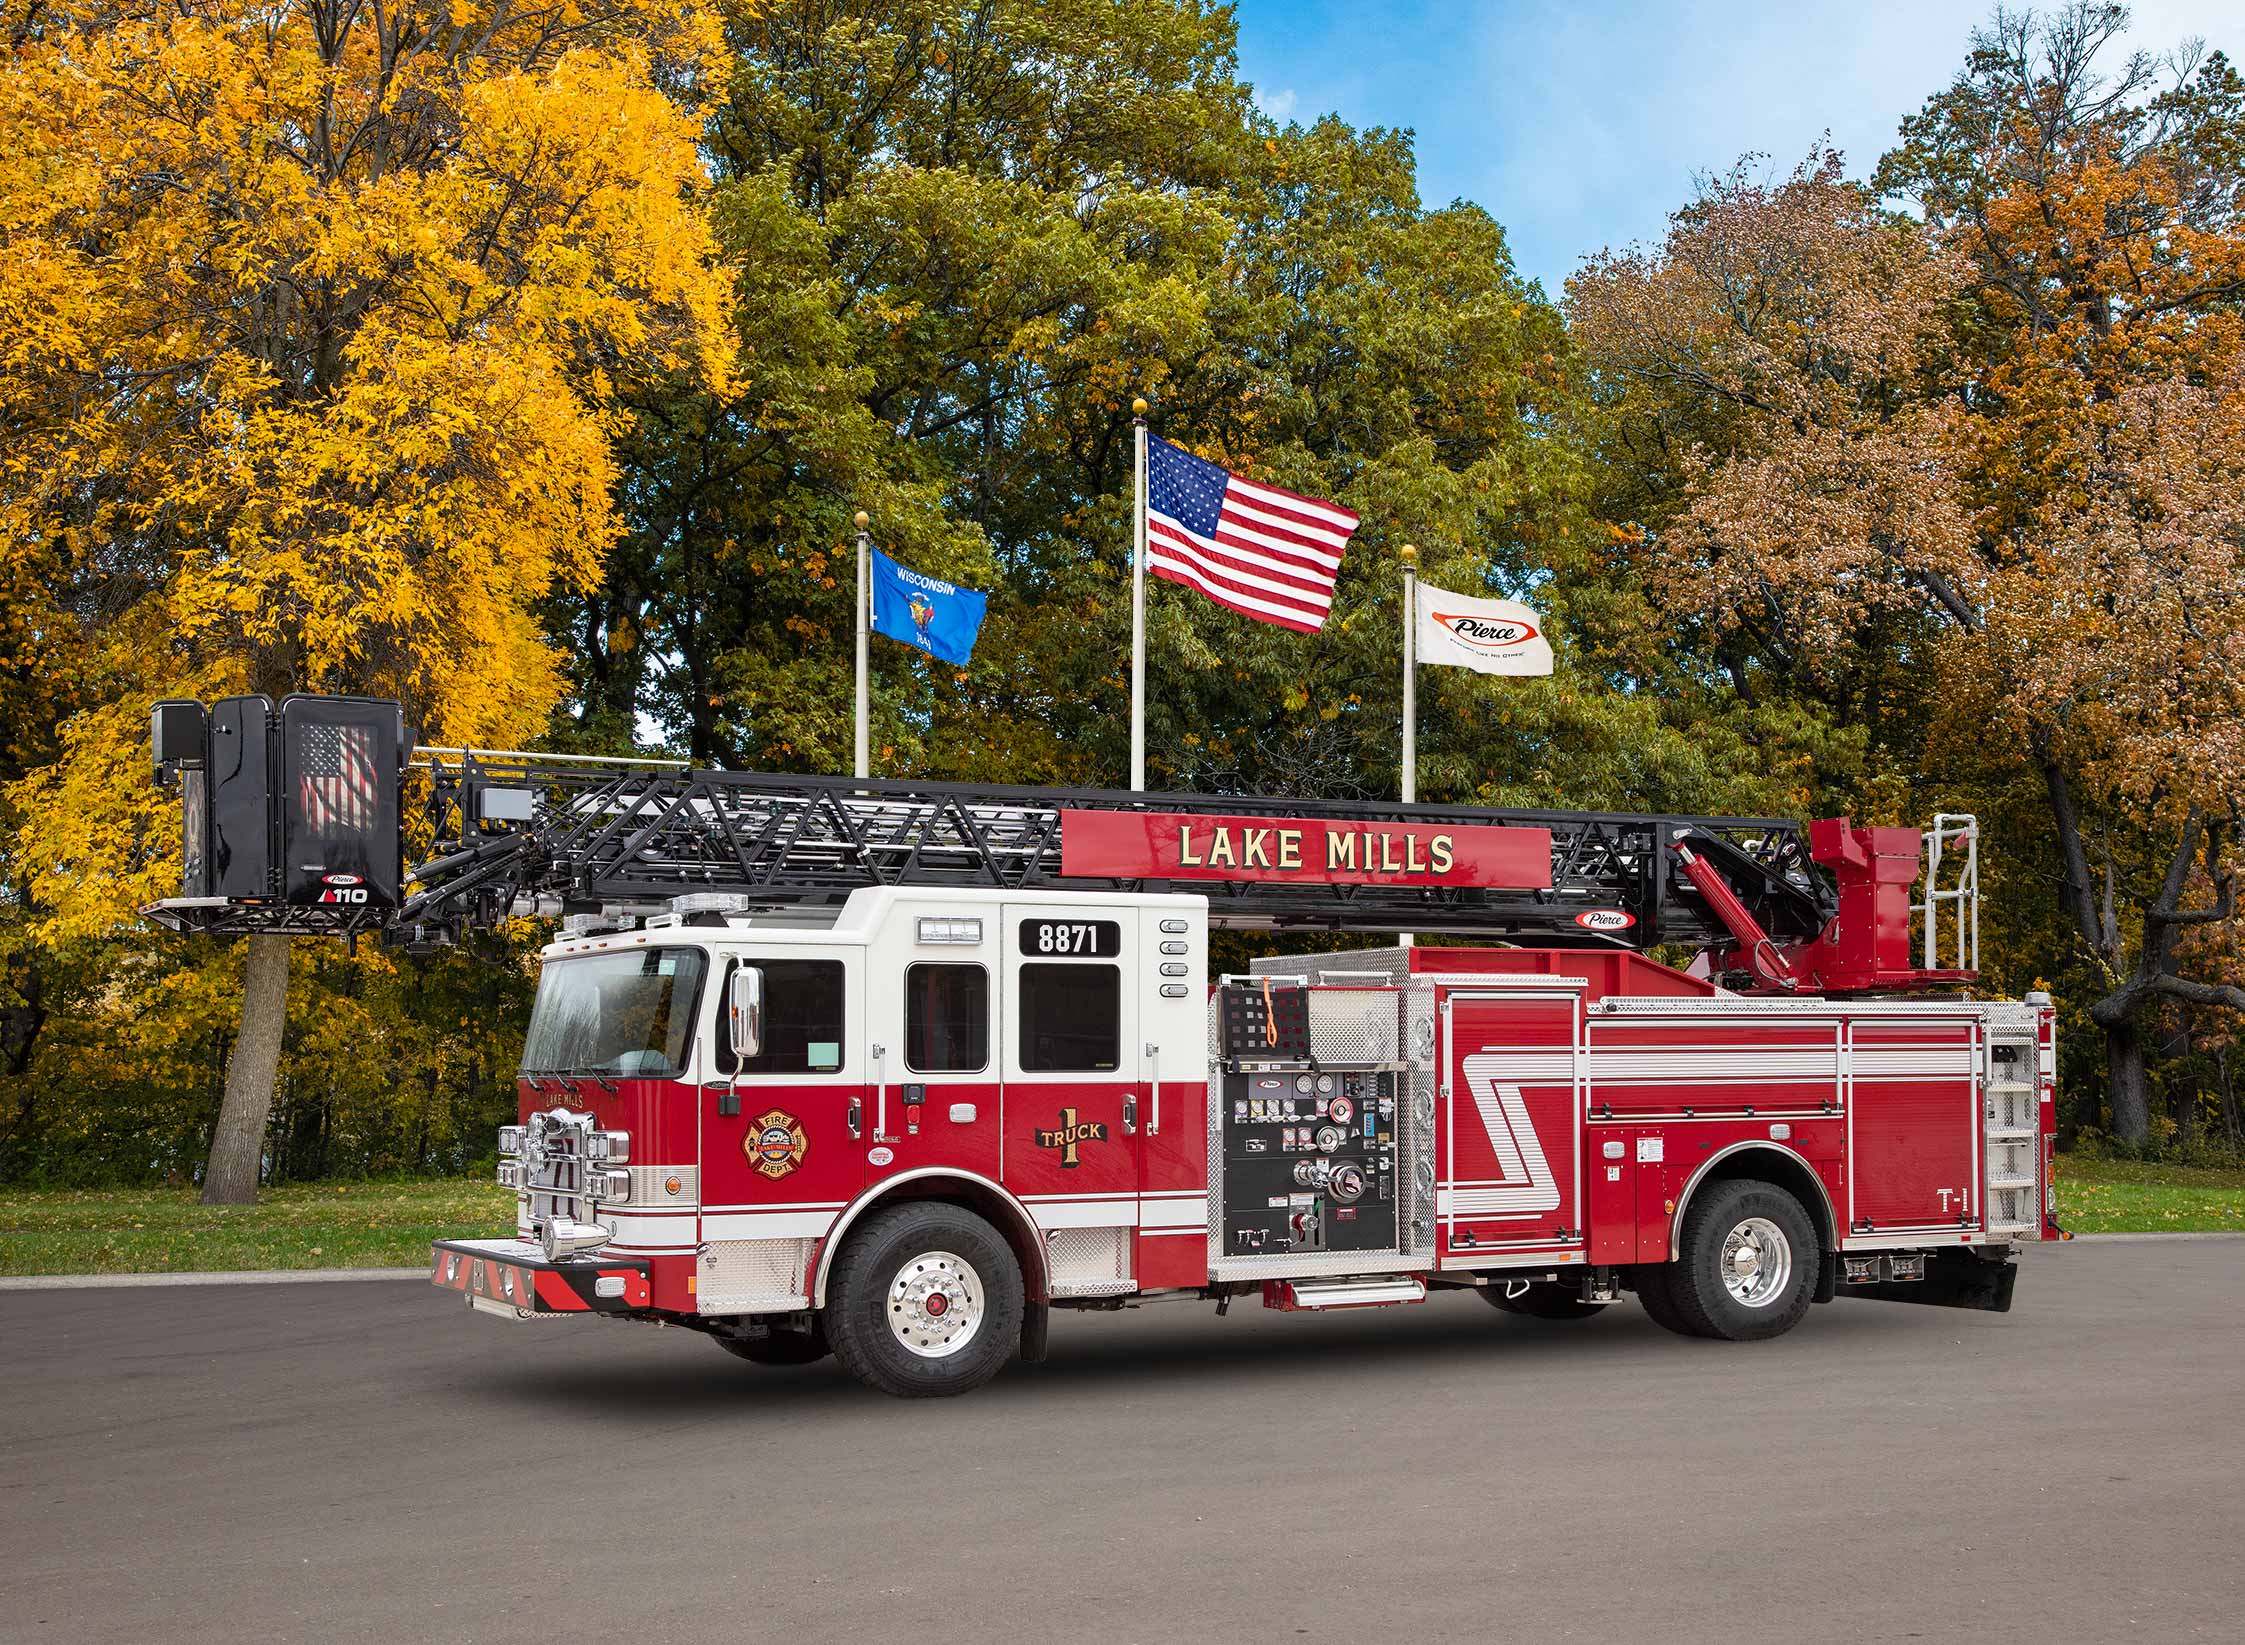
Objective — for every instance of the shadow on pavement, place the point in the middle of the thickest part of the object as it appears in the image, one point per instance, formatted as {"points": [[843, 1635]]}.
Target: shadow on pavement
{"points": [[1192, 1348]]}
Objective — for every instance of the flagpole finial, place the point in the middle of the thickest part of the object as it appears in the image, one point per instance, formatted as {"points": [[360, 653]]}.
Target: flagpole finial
{"points": [[1409, 554], [863, 519], [1138, 408]]}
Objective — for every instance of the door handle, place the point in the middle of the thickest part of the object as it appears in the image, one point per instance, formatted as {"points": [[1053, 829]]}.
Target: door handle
{"points": [[857, 1115], [1130, 1114], [1153, 1072]]}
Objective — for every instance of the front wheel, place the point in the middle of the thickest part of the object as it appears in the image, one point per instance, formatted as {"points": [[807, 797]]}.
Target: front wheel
{"points": [[1746, 1265], [925, 1299]]}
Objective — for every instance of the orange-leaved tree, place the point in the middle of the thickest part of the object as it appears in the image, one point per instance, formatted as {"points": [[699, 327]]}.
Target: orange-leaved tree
{"points": [[314, 323], [2002, 446], [2099, 210]]}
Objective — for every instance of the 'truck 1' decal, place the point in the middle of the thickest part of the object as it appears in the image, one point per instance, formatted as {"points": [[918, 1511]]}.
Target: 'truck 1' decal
{"points": [[1068, 1134]]}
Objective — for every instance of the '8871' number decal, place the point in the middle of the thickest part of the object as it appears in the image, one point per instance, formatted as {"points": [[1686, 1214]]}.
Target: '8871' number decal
{"points": [[1077, 939]]}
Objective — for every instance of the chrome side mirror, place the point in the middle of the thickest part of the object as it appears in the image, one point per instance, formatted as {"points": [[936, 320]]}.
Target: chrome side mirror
{"points": [[744, 1012]]}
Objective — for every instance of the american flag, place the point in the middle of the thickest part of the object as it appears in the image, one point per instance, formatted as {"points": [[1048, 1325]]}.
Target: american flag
{"points": [[335, 785], [1266, 553]]}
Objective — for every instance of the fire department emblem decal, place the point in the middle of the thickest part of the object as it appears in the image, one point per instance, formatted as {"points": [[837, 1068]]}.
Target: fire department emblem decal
{"points": [[775, 1143], [1068, 1134]]}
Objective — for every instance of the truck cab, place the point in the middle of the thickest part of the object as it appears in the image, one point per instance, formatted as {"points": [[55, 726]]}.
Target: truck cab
{"points": [[711, 1100]]}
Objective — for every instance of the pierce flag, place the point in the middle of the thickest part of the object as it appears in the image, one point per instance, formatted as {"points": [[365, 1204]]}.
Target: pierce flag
{"points": [[925, 613], [1488, 636]]}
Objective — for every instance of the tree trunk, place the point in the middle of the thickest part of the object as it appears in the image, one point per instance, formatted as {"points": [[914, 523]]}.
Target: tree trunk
{"points": [[2184, 1094], [238, 1145], [2124, 1069], [2230, 1127]]}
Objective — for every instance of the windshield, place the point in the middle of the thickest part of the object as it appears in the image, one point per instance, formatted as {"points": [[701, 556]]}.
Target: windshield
{"points": [[618, 1014]]}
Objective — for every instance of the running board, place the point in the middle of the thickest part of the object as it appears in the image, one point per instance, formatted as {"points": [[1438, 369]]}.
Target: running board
{"points": [[1292, 1296]]}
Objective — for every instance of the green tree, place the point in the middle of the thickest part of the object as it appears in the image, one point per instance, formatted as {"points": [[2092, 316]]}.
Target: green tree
{"points": [[967, 240]]}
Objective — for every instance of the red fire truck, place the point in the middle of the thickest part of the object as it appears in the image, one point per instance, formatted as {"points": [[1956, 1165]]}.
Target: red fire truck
{"points": [[894, 1070]]}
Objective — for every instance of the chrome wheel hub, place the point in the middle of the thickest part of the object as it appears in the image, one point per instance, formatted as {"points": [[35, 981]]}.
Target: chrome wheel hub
{"points": [[936, 1304], [1757, 1262]]}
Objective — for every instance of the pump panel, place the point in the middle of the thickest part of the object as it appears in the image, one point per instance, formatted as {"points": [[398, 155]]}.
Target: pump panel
{"points": [[1309, 1162]]}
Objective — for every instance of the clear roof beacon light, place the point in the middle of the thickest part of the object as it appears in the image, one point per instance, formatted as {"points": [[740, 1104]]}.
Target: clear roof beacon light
{"points": [[719, 903]]}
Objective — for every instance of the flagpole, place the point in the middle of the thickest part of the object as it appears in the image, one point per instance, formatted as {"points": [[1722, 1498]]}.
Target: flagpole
{"points": [[1138, 602], [1410, 558], [863, 729]]}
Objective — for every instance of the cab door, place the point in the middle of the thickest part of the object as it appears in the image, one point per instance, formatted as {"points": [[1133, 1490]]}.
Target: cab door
{"points": [[781, 1148], [1074, 1087]]}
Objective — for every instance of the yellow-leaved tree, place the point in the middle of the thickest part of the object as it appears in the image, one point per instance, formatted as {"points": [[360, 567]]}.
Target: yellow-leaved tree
{"points": [[315, 319]]}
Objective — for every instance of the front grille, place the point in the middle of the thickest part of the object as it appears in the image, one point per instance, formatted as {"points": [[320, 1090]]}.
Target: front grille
{"points": [[566, 1170]]}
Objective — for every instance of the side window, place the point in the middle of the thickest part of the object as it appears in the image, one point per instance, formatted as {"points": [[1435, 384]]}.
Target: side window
{"points": [[946, 1019], [802, 1019], [1071, 1019]]}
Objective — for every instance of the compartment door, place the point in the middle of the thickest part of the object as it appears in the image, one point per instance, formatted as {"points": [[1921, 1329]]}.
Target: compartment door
{"points": [[1510, 1144], [1913, 1125]]}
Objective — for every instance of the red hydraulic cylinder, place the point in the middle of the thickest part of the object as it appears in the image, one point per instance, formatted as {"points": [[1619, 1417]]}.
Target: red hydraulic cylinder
{"points": [[1762, 955]]}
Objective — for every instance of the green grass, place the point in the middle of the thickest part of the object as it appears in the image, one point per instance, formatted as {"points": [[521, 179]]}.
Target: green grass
{"points": [[2103, 1196], [390, 1224], [163, 1230]]}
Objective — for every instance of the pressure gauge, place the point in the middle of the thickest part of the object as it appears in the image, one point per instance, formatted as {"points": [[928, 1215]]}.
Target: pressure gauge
{"points": [[1343, 1110]]}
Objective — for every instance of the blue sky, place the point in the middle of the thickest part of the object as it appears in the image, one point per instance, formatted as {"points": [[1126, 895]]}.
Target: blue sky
{"points": [[1579, 126]]}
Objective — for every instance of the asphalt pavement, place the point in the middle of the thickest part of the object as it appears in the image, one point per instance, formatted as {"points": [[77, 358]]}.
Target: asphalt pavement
{"points": [[374, 1462]]}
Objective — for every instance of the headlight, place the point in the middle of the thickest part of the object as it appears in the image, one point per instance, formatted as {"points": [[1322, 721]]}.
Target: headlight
{"points": [[564, 1238], [510, 1139], [609, 1185], [510, 1174], [610, 1147]]}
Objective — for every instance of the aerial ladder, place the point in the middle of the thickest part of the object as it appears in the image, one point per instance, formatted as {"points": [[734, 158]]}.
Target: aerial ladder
{"points": [[319, 817]]}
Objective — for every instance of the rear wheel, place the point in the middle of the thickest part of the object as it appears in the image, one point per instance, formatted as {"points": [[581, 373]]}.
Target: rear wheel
{"points": [[781, 1347], [925, 1299], [1543, 1299], [1651, 1285], [1746, 1264]]}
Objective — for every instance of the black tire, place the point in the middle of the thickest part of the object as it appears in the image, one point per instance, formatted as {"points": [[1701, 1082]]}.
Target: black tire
{"points": [[907, 1245], [1650, 1281], [1543, 1299], [781, 1347], [1708, 1307]]}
